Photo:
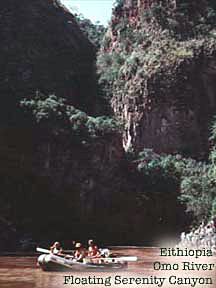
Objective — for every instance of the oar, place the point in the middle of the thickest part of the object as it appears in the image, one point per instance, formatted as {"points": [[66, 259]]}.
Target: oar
{"points": [[126, 258], [123, 258], [42, 250]]}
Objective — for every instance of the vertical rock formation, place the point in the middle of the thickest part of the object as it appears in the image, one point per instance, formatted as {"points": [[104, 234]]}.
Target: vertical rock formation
{"points": [[162, 54], [42, 48]]}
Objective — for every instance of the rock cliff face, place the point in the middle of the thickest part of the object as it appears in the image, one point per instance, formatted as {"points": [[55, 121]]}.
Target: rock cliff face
{"points": [[42, 164], [162, 54], [63, 173], [54, 171], [42, 48]]}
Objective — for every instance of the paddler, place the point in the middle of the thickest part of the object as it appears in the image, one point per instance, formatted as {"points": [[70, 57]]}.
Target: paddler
{"points": [[93, 251], [56, 249], [80, 252]]}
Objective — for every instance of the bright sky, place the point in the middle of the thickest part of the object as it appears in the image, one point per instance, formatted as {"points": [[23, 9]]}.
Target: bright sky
{"points": [[95, 10]]}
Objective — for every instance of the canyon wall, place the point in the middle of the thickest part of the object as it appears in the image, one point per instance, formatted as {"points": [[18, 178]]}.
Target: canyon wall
{"points": [[63, 172], [162, 54], [48, 172], [43, 49]]}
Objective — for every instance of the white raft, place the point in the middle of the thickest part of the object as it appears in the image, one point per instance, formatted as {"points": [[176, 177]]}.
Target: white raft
{"points": [[52, 262]]}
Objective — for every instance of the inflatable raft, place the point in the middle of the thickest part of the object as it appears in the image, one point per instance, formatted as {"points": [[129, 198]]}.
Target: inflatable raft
{"points": [[51, 262]]}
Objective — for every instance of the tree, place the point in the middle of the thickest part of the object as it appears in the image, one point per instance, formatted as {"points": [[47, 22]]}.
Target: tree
{"points": [[94, 32]]}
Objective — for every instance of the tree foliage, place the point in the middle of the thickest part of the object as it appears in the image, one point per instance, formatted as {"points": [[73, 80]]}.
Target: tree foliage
{"points": [[94, 32], [161, 39], [55, 115], [189, 180]]}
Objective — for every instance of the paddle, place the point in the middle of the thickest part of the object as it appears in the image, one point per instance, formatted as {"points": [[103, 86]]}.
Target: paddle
{"points": [[122, 258], [46, 251], [42, 250]]}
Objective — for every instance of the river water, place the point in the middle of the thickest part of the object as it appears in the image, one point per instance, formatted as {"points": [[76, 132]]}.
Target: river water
{"points": [[22, 272]]}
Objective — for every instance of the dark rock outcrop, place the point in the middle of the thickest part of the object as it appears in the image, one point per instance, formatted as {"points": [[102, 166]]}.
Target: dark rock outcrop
{"points": [[43, 48]]}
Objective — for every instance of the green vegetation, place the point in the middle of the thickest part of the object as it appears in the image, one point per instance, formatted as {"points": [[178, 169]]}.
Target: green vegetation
{"points": [[57, 117], [155, 47], [75, 162], [158, 51], [94, 32], [192, 181]]}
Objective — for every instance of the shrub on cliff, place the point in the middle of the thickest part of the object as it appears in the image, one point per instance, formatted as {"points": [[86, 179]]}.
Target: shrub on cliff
{"points": [[160, 176], [198, 192], [94, 32], [170, 176], [57, 117]]}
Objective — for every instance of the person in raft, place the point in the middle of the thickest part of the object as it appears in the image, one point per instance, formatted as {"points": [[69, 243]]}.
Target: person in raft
{"points": [[56, 249], [93, 251], [80, 252]]}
